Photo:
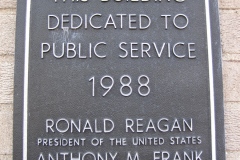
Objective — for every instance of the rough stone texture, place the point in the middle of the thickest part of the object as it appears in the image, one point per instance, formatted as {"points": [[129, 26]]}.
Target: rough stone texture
{"points": [[6, 79], [5, 157], [233, 155], [7, 31], [232, 126], [230, 31], [231, 57], [231, 78], [8, 3], [229, 4], [230, 34], [6, 123]]}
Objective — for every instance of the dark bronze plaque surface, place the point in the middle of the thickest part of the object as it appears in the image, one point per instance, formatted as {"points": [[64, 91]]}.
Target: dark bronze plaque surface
{"points": [[118, 80]]}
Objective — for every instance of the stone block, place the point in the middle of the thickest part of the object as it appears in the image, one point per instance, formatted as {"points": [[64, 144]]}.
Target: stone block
{"points": [[231, 79], [6, 79], [233, 155], [8, 3], [7, 33], [232, 122], [229, 4], [6, 157], [230, 31], [6, 134], [231, 57]]}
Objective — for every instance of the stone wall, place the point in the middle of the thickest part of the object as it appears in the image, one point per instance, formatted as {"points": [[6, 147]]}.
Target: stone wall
{"points": [[230, 34]]}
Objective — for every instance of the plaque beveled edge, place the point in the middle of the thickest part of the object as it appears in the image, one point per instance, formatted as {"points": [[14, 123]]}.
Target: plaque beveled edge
{"points": [[211, 84], [21, 75], [26, 72]]}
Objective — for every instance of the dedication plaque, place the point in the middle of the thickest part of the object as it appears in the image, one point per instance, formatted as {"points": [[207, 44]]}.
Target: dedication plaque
{"points": [[118, 80]]}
